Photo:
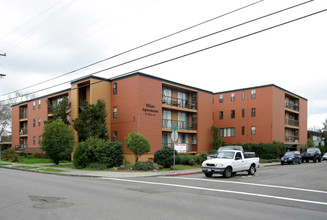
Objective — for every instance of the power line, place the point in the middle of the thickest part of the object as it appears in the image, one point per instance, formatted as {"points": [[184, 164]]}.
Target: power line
{"points": [[191, 53], [31, 32], [138, 47], [20, 26]]}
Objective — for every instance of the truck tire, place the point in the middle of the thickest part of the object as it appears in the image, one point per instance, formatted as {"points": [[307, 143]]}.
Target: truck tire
{"points": [[251, 170], [208, 174], [228, 172]]}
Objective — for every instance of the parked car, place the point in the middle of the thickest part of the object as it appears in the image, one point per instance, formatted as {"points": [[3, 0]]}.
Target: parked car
{"points": [[324, 157], [240, 148], [291, 157], [313, 154], [229, 162]]}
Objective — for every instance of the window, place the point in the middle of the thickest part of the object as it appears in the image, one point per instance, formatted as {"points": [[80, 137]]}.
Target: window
{"points": [[33, 122], [221, 98], [243, 95], [34, 105], [166, 118], [243, 130], [253, 94], [243, 112], [114, 136], [39, 140], [253, 112], [114, 89], [232, 97], [227, 132], [253, 130], [114, 112], [34, 140], [221, 115], [232, 114], [40, 121], [39, 104]]}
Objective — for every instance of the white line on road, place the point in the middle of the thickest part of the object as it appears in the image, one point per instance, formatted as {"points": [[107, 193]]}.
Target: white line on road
{"points": [[251, 184], [218, 190]]}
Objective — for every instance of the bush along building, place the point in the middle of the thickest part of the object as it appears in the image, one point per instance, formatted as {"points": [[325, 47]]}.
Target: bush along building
{"points": [[152, 106]]}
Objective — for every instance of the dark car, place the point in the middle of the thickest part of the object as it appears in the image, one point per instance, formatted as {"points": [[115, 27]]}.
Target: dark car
{"points": [[313, 154], [291, 157]]}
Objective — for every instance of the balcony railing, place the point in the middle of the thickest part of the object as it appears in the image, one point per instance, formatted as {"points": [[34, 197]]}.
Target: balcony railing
{"points": [[292, 122], [177, 102], [184, 125], [189, 147], [23, 131], [23, 115], [292, 106], [292, 139]]}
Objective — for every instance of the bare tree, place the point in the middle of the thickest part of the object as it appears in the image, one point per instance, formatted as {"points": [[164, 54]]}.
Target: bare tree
{"points": [[5, 111]]}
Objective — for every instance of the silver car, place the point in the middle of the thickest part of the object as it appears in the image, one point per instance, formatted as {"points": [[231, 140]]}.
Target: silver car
{"points": [[324, 157]]}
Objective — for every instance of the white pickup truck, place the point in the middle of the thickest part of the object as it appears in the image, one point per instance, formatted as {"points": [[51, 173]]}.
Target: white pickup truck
{"points": [[229, 162]]}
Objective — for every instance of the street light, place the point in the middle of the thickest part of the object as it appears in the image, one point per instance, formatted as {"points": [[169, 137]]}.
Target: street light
{"points": [[2, 75]]}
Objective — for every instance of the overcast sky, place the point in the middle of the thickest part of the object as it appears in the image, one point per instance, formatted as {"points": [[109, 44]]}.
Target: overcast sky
{"points": [[44, 39]]}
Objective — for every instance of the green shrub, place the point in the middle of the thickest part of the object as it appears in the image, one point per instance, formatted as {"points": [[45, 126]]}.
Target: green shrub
{"points": [[97, 166], [148, 165], [199, 158], [187, 159], [96, 150], [9, 155], [165, 157]]}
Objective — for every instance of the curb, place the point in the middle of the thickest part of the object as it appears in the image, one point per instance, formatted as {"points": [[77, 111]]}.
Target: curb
{"points": [[180, 174], [271, 165]]}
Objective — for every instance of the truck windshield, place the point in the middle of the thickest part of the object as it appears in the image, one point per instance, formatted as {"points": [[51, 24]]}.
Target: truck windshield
{"points": [[226, 155]]}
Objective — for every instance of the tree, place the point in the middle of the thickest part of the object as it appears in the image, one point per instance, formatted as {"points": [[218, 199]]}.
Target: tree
{"points": [[138, 144], [92, 121], [216, 142], [57, 141], [59, 112], [310, 143]]}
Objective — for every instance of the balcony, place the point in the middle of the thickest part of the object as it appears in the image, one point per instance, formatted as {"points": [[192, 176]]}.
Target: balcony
{"points": [[292, 139], [23, 115], [292, 106], [189, 147], [292, 122], [180, 103], [23, 131], [183, 125]]}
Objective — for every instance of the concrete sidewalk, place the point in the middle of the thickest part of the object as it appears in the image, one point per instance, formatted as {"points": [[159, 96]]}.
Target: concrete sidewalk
{"points": [[112, 174]]}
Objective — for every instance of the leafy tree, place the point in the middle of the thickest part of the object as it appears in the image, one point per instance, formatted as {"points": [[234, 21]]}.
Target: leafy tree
{"points": [[138, 144], [216, 142], [92, 121], [310, 143], [57, 141], [59, 112]]}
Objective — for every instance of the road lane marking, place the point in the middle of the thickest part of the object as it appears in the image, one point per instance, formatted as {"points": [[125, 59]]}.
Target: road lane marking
{"points": [[251, 184], [218, 190]]}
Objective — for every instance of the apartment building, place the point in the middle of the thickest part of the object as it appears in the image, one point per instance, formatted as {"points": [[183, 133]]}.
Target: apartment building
{"points": [[262, 115], [152, 106]]}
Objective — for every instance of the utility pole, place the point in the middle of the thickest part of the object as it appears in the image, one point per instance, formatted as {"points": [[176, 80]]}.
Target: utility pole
{"points": [[2, 75]]}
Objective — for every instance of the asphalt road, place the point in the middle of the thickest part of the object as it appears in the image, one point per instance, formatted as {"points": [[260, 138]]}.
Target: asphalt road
{"points": [[278, 192]]}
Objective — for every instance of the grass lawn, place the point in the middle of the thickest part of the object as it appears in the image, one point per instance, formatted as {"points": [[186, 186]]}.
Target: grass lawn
{"points": [[5, 163], [39, 161], [180, 167], [40, 169]]}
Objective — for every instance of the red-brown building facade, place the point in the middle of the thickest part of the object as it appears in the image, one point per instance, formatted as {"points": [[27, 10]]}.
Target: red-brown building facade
{"points": [[151, 105]]}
